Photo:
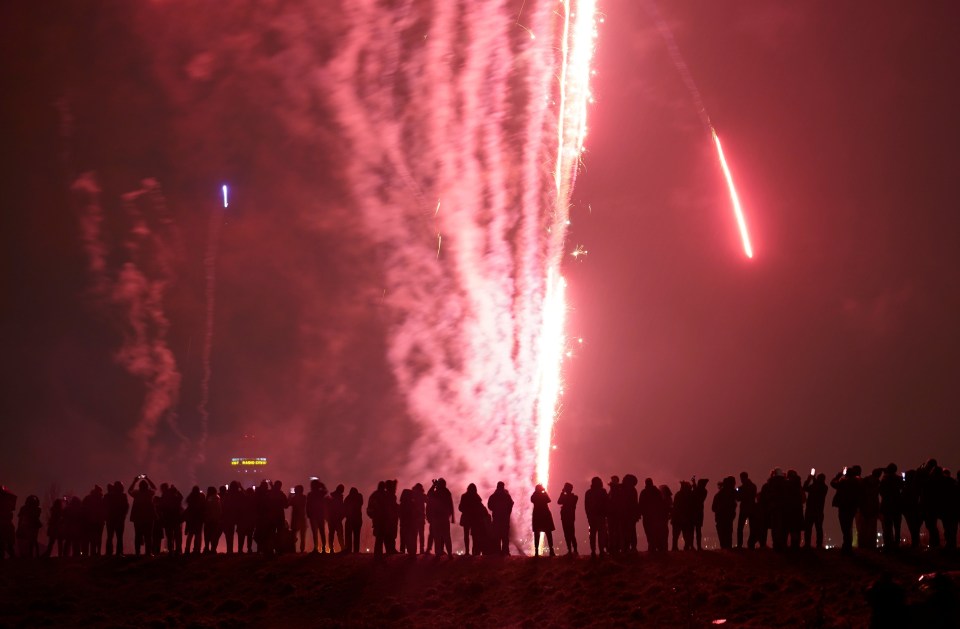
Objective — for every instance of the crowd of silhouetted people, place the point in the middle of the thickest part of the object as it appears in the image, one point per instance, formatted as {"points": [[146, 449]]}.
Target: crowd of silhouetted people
{"points": [[785, 512]]}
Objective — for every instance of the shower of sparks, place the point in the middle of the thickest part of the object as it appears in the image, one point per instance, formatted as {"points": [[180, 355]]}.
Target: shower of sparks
{"points": [[578, 252], [737, 210], [576, 54]]}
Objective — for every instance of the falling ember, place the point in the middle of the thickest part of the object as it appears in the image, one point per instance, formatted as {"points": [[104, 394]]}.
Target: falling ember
{"points": [[737, 210]]}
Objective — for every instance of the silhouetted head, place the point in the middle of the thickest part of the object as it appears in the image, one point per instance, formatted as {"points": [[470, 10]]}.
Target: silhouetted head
{"points": [[891, 468], [471, 488], [648, 482], [744, 476], [118, 486], [382, 486], [539, 489], [792, 475], [729, 482], [614, 480], [339, 489], [703, 482], [315, 484], [567, 488], [353, 491], [821, 477], [857, 470], [264, 485], [501, 485], [163, 487], [278, 485], [418, 488], [630, 480], [441, 483], [298, 490], [235, 485], [211, 491], [596, 482]]}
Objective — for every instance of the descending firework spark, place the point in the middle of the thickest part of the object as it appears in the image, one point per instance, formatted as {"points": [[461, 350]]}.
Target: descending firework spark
{"points": [[734, 199], [210, 266], [691, 86], [473, 110]]}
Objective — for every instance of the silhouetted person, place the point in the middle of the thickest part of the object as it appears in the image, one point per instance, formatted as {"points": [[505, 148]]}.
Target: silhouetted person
{"points": [[171, 517], [724, 509], [247, 524], [747, 497], [142, 513], [816, 490], [28, 528], [73, 526], [596, 504], [951, 510], [406, 521], [889, 489], [868, 511], [353, 512], [212, 513], [193, 519], [846, 499], [8, 504], [94, 518], [418, 506], [932, 497], [654, 513], [440, 516], [117, 506], [568, 517], [542, 519], [335, 515], [232, 513], [500, 504], [910, 504], [629, 513], [55, 527], [471, 519], [298, 516], [393, 517], [377, 512], [276, 503], [316, 503], [681, 516], [793, 505], [615, 517], [699, 498], [157, 527]]}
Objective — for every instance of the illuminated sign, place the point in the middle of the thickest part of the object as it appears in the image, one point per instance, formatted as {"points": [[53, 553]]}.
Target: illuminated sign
{"points": [[248, 464]]}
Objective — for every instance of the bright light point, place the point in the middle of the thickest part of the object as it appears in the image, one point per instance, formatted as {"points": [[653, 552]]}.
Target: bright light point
{"points": [[226, 202], [580, 340], [741, 222], [553, 447], [578, 252]]}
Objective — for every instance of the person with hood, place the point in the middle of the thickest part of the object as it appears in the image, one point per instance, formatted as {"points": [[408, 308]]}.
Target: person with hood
{"points": [[353, 512], [500, 504], [333, 509], [472, 519], [542, 520], [596, 504], [568, 517], [724, 509]]}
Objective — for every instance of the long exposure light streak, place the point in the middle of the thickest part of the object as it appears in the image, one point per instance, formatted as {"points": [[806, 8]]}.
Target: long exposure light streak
{"points": [[734, 198], [576, 51]]}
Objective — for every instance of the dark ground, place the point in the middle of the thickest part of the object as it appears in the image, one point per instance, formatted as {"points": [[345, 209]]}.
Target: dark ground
{"points": [[746, 589]]}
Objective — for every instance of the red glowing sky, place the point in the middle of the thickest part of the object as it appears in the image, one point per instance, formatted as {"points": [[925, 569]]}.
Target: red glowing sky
{"points": [[837, 344]]}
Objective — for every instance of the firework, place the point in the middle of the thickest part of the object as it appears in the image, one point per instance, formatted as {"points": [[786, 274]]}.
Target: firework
{"points": [[734, 199]]}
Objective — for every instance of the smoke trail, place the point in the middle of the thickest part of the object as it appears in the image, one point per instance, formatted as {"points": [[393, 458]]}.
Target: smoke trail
{"points": [[210, 266], [137, 290], [452, 101]]}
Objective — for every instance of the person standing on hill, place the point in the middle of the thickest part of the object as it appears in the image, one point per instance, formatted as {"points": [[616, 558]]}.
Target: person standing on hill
{"points": [[629, 513], [868, 512], [335, 515], [142, 513], [615, 517], [596, 504], [699, 499], [816, 489], [418, 505], [793, 499], [471, 519], [542, 520], [681, 516], [353, 513], [724, 509], [568, 517], [212, 513], [170, 513], [500, 504], [316, 501], [846, 500], [298, 516], [440, 516], [891, 485], [193, 517], [94, 519], [747, 497], [232, 508]]}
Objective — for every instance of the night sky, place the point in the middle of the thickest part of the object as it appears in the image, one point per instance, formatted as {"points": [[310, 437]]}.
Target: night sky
{"points": [[837, 344]]}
